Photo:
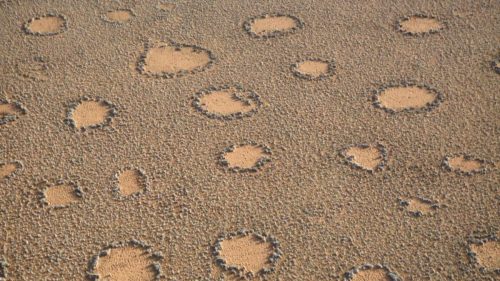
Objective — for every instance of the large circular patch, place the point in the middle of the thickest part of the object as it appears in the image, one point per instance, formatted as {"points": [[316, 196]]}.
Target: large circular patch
{"points": [[227, 102], [61, 194], [371, 272], [90, 113], [419, 25], [131, 261], [313, 69], [369, 157], [272, 25], [485, 253], [247, 157], [171, 60], [10, 111], [49, 24], [246, 254], [406, 97]]}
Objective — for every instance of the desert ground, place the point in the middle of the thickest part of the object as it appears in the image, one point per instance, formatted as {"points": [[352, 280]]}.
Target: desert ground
{"points": [[250, 140]]}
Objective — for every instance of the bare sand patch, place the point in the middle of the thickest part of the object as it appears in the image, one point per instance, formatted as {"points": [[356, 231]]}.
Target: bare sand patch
{"points": [[227, 102], [313, 69], [369, 157], [36, 69], [406, 97], [272, 25], [90, 113], [7, 170], [62, 195], [166, 6], [131, 181], [246, 254], [369, 272], [247, 157], [419, 206], [46, 25], [464, 164], [119, 16], [487, 254], [125, 262], [419, 24], [170, 60], [10, 111]]}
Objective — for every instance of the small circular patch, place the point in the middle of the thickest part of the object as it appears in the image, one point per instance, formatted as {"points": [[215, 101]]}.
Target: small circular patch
{"points": [[272, 25], [371, 272], [419, 25], [419, 206], [90, 113], [169, 60], [369, 157], [61, 194], [9, 169], [227, 102], [119, 16], [247, 157], [10, 111], [313, 69], [406, 97], [130, 261], [246, 254], [131, 182], [485, 253], [464, 164], [49, 24]]}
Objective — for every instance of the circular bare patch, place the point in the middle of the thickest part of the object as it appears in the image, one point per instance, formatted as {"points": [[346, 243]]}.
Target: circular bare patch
{"points": [[10, 111], [61, 195], [9, 169], [119, 16], [272, 25], [227, 102], [246, 254], [496, 65], [464, 164], [90, 113], [418, 206], [485, 252], [313, 69], [171, 60], [132, 261], [366, 156], [406, 97], [49, 24], [370, 272], [131, 181], [247, 157], [419, 24]]}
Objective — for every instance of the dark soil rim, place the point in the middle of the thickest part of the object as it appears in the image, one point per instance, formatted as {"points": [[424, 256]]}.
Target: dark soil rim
{"points": [[427, 108], [419, 34], [349, 275], [77, 191], [484, 164], [27, 30], [257, 167], [144, 181], [155, 256], [380, 147], [239, 271], [120, 23], [247, 26], [112, 112], [141, 64], [330, 72], [239, 115], [10, 118]]}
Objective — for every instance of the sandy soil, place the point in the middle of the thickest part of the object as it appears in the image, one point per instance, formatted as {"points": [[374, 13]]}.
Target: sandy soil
{"points": [[138, 139]]}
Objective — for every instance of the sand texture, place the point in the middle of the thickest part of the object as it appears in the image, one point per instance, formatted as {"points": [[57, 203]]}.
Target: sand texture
{"points": [[249, 140]]}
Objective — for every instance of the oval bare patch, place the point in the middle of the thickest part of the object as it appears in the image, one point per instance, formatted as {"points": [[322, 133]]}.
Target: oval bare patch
{"points": [[174, 60], [313, 69], [125, 262], [119, 16], [62, 195], [7, 170], [419, 24], [90, 113], [166, 6], [407, 97], [10, 111], [371, 272], [46, 25], [366, 156], [246, 254], [487, 254], [418, 206], [227, 102], [248, 157], [464, 164], [272, 25], [131, 181]]}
